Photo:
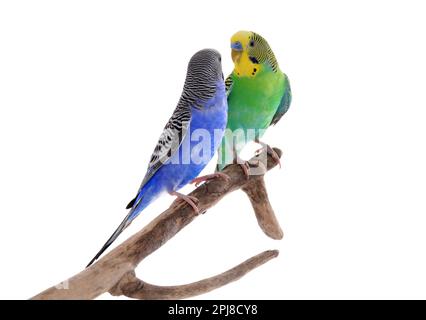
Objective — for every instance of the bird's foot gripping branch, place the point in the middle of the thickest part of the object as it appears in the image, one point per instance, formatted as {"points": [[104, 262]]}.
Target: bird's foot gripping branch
{"points": [[115, 272]]}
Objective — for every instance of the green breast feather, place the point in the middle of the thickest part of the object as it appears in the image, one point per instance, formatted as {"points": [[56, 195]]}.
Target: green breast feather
{"points": [[253, 102]]}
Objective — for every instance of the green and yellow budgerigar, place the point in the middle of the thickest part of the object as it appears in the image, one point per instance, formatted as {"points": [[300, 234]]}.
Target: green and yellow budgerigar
{"points": [[258, 92]]}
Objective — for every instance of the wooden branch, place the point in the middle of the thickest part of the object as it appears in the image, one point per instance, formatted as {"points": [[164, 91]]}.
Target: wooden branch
{"points": [[115, 271], [132, 287], [256, 191]]}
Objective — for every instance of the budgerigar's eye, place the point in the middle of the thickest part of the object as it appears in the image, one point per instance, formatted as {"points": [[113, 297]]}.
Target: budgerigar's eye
{"points": [[251, 44], [220, 59]]}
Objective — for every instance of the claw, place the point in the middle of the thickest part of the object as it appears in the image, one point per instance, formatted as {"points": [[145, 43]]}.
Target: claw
{"points": [[194, 199], [269, 151], [191, 200], [209, 177], [274, 156], [245, 167]]}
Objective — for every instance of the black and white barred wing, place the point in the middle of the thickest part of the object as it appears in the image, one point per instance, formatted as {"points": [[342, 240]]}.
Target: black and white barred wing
{"points": [[228, 85], [170, 140], [168, 144]]}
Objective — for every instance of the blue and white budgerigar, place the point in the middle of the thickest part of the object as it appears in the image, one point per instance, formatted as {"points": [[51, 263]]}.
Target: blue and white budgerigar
{"points": [[176, 160]]}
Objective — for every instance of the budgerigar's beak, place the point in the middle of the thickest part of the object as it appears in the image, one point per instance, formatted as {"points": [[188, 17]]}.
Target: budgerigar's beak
{"points": [[237, 46]]}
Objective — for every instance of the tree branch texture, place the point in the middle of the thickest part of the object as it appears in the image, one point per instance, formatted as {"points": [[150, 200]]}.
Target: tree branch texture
{"points": [[115, 272]]}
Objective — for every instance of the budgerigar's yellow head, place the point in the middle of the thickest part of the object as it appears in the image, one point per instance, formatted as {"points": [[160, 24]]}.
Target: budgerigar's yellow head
{"points": [[251, 54]]}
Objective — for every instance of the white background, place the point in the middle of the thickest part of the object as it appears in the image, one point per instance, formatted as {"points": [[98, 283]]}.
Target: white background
{"points": [[87, 86]]}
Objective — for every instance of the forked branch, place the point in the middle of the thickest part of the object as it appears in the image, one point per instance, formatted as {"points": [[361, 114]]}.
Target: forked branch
{"points": [[115, 272]]}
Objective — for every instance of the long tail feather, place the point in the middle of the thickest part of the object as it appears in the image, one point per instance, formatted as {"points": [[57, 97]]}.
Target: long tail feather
{"points": [[123, 225]]}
